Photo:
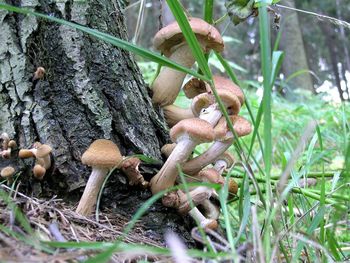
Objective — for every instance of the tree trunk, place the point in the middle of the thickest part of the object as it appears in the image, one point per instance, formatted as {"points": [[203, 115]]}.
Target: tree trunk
{"points": [[90, 90], [328, 33], [294, 52]]}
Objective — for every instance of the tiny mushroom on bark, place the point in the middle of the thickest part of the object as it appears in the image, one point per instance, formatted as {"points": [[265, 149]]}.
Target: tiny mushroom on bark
{"points": [[171, 42], [43, 155], [10, 147], [102, 155], [39, 171], [7, 173], [187, 134]]}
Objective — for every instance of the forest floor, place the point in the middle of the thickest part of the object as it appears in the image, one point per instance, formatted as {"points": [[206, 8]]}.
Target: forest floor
{"points": [[26, 220]]}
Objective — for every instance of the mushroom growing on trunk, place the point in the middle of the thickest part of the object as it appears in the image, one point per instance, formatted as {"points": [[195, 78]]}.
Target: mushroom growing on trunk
{"points": [[171, 42]]}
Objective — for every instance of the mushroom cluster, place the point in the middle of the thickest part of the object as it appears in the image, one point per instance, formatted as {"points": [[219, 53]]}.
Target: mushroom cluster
{"points": [[41, 153], [203, 122]]}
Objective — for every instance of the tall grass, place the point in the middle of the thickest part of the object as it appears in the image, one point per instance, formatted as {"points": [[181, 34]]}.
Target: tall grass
{"points": [[272, 160]]}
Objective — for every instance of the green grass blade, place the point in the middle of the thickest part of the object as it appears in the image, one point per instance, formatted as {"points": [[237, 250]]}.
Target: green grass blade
{"points": [[190, 37], [110, 39], [208, 11]]}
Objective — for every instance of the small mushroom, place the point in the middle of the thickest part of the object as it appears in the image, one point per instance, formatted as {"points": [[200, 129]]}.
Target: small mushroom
{"points": [[39, 73], [10, 147], [187, 134], [7, 173], [102, 155], [43, 154], [130, 167], [39, 171], [170, 41]]}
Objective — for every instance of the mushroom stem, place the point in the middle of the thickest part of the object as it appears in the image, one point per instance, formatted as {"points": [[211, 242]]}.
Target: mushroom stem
{"points": [[202, 220], [166, 177], [167, 85], [220, 166], [212, 114], [197, 195], [173, 114], [196, 164], [211, 211], [92, 188]]}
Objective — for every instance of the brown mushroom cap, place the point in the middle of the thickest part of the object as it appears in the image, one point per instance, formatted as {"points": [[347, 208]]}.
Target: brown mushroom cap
{"points": [[198, 130], [241, 126], [232, 186], [171, 35], [227, 84], [102, 153], [7, 172], [39, 171], [12, 144], [194, 87], [25, 153], [230, 100], [43, 150]]}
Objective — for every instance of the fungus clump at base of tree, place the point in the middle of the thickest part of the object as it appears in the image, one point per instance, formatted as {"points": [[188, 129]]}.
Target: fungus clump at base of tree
{"points": [[171, 42]]}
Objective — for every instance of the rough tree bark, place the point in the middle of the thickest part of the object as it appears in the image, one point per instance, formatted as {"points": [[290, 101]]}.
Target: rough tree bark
{"points": [[91, 90], [294, 52]]}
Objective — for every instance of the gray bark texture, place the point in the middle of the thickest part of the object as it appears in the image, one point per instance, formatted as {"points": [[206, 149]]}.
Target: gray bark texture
{"points": [[292, 44], [91, 90]]}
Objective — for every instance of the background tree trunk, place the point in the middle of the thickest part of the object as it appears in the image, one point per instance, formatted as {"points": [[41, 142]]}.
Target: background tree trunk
{"points": [[91, 90], [294, 52]]}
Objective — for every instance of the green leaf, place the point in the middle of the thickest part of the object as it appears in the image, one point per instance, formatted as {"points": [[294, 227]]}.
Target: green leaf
{"points": [[190, 37], [239, 10]]}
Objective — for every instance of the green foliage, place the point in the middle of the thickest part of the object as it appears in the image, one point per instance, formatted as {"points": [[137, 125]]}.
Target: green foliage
{"points": [[277, 141]]}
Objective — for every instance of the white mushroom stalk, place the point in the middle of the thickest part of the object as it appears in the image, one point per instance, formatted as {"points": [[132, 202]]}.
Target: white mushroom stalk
{"points": [[202, 220], [92, 188], [167, 85], [187, 134], [196, 164], [173, 114], [211, 211]]}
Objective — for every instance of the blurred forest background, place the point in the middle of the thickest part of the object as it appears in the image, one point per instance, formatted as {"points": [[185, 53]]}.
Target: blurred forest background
{"points": [[316, 50]]}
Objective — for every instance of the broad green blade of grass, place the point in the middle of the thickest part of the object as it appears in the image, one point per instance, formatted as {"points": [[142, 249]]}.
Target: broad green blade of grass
{"points": [[223, 195], [277, 59], [110, 39], [208, 11], [264, 28], [190, 37], [314, 224]]}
